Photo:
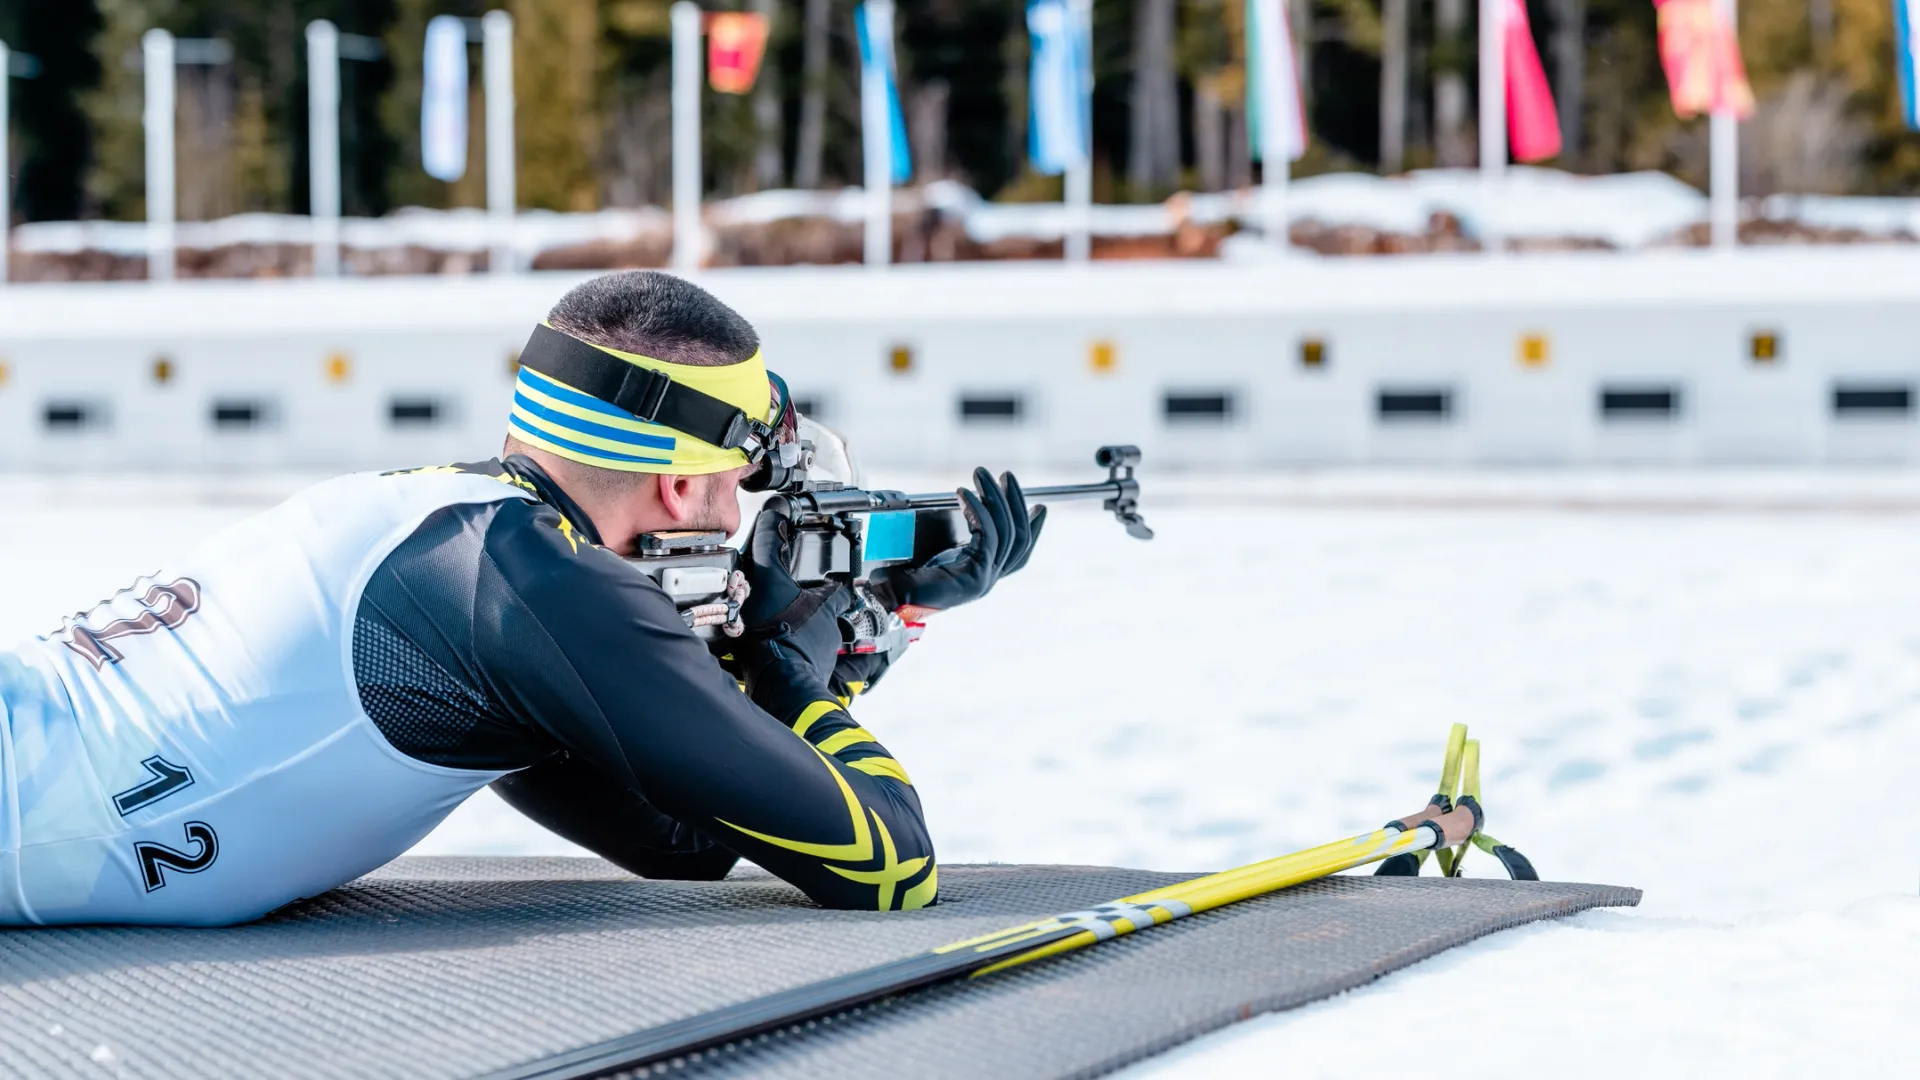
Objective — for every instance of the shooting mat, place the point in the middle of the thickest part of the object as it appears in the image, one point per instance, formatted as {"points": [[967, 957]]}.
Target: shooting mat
{"points": [[453, 967]]}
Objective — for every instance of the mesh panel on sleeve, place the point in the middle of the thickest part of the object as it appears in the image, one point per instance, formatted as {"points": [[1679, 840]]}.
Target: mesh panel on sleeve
{"points": [[424, 711]]}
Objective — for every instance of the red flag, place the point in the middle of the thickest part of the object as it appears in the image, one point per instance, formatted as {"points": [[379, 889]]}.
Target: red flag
{"points": [[1701, 56], [735, 42], [1533, 124]]}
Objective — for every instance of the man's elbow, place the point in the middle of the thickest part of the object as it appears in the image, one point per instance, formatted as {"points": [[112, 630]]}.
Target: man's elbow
{"points": [[893, 887]]}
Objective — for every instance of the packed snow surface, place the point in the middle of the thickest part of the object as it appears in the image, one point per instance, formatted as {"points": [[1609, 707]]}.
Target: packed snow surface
{"points": [[1625, 209], [1705, 685]]}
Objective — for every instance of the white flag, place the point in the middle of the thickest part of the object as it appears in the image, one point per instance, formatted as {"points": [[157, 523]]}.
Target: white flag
{"points": [[443, 99]]}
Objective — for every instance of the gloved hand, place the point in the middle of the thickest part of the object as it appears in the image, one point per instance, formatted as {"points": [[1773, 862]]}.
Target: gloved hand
{"points": [[1003, 538], [785, 620], [855, 673]]}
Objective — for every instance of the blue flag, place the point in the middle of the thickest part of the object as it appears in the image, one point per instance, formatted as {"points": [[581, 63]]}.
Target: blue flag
{"points": [[1905, 60], [876, 58], [1057, 88]]}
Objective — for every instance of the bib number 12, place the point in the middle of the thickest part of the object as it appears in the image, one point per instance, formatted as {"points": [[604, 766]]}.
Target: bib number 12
{"points": [[157, 859]]}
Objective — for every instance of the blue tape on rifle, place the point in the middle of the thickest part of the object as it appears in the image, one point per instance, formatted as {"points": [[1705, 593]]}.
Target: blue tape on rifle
{"points": [[889, 537]]}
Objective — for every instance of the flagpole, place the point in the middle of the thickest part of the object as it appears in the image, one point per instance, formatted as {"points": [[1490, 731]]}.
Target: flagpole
{"points": [[323, 145], [876, 124], [1493, 120], [496, 60], [1723, 166], [686, 136], [1079, 178], [1277, 115], [156, 45]]}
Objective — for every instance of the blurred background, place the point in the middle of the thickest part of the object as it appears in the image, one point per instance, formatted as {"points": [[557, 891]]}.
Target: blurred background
{"points": [[1383, 87], [1547, 366]]}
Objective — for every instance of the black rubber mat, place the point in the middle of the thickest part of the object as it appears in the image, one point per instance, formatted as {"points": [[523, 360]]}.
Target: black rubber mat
{"points": [[443, 967]]}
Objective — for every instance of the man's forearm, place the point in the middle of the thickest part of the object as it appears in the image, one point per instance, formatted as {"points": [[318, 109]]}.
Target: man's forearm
{"points": [[584, 805], [869, 848]]}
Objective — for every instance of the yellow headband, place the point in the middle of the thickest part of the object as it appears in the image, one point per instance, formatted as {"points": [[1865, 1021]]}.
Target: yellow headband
{"points": [[562, 420]]}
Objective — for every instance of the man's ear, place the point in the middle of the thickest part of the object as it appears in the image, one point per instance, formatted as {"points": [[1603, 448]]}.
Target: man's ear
{"points": [[676, 495]]}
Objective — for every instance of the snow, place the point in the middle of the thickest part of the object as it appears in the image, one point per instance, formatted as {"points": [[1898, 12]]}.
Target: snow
{"points": [[1629, 210], [1704, 684]]}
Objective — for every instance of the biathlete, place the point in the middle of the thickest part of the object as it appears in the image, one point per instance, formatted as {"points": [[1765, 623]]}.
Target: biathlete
{"points": [[314, 689]]}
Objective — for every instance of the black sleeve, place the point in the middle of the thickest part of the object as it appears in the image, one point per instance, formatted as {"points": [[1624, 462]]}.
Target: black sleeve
{"points": [[576, 643], [581, 803]]}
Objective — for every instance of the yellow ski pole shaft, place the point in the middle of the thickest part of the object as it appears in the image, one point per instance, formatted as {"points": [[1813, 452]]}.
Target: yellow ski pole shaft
{"points": [[1448, 791], [1227, 887], [1469, 796]]}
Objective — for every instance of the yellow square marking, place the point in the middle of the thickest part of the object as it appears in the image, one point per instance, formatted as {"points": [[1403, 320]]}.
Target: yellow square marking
{"points": [[1765, 347], [900, 359], [162, 370], [338, 368], [1313, 353], [1102, 357], [1534, 350]]}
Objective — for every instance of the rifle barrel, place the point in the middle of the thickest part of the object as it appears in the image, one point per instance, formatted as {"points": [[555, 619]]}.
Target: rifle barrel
{"points": [[1106, 489], [857, 501]]}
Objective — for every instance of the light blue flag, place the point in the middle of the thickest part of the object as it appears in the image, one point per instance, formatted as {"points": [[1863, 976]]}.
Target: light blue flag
{"points": [[876, 54], [1057, 89], [443, 99], [1906, 58]]}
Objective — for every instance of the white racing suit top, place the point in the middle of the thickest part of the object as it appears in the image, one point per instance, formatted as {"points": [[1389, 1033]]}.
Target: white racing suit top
{"points": [[193, 751]]}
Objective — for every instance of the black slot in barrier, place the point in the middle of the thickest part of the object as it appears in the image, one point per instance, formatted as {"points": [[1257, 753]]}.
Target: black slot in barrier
{"points": [[1868, 400], [238, 415], [1216, 407], [69, 416], [991, 407], [1639, 403], [413, 412], [1415, 404]]}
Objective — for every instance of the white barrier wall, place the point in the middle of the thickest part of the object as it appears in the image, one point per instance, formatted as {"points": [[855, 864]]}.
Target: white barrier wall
{"points": [[1769, 356]]}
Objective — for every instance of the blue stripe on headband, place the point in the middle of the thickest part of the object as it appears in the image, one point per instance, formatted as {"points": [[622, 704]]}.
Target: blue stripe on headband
{"points": [[608, 455], [578, 426], [562, 392]]}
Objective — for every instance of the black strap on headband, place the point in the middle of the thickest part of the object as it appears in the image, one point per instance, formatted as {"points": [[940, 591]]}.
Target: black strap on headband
{"points": [[651, 395]]}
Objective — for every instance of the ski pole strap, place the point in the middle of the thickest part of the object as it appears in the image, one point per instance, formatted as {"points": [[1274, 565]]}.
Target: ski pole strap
{"points": [[1517, 866]]}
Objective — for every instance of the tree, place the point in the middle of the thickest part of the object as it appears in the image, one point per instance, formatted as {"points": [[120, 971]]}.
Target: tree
{"points": [[557, 94], [1570, 72], [1452, 142], [1154, 158], [55, 138], [813, 94], [1393, 85]]}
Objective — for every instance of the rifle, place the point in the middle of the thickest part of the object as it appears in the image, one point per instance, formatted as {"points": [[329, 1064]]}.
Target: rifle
{"points": [[841, 534]]}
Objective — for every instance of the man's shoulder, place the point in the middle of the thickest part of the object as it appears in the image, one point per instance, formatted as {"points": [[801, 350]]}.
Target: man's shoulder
{"points": [[490, 469], [538, 549]]}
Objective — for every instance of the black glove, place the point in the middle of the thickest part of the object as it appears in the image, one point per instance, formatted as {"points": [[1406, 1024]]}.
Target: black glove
{"points": [[855, 673], [785, 620], [1003, 538]]}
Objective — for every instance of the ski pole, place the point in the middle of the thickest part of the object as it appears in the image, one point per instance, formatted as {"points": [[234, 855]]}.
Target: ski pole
{"points": [[1409, 864]]}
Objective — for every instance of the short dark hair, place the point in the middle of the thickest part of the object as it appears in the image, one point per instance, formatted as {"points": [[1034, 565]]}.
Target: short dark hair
{"points": [[654, 313]]}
